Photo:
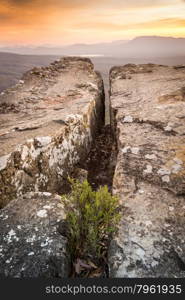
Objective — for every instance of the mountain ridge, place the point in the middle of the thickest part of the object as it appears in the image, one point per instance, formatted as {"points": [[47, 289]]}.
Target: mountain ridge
{"points": [[138, 46]]}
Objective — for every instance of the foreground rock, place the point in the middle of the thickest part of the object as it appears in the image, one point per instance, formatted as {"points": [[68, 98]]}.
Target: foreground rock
{"points": [[148, 115], [30, 244], [47, 124]]}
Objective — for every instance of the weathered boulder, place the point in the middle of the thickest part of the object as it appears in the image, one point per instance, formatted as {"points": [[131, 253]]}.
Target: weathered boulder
{"points": [[47, 124], [30, 243], [148, 118]]}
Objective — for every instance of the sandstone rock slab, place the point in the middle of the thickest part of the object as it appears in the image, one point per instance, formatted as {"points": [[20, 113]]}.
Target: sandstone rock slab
{"points": [[148, 118], [47, 124]]}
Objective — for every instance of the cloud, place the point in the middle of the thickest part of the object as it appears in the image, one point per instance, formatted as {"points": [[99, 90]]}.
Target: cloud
{"points": [[47, 3], [168, 23], [79, 5], [4, 17], [73, 4], [18, 2]]}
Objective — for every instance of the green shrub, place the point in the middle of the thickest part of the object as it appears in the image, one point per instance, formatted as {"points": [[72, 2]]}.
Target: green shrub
{"points": [[92, 216]]}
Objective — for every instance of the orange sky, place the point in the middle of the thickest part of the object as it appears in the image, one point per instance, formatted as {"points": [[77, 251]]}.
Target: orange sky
{"points": [[59, 22]]}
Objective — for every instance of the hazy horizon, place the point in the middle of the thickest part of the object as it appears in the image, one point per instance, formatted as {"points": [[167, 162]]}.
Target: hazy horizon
{"points": [[137, 47], [79, 43]]}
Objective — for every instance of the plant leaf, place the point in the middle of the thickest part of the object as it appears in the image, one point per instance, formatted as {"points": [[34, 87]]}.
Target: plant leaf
{"points": [[92, 265]]}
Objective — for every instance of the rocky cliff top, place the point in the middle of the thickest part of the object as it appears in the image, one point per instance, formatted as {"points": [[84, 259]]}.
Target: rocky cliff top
{"points": [[47, 124], [61, 120], [43, 100], [149, 104], [148, 113]]}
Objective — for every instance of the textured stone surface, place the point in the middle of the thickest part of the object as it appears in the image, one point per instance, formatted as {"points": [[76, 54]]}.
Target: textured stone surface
{"points": [[30, 244], [47, 123], [148, 117]]}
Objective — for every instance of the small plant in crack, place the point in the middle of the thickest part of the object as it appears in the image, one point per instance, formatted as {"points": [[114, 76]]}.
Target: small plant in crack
{"points": [[91, 219]]}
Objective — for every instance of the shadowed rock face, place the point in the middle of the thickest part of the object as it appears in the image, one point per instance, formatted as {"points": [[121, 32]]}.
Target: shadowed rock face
{"points": [[30, 244], [47, 124], [148, 118]]}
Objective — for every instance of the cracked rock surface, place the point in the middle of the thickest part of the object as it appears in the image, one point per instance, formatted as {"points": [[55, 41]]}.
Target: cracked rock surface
{"points": [[148, 118], [47, 124]]}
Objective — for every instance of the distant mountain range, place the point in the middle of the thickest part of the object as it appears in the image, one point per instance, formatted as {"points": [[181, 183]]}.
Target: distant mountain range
{"points": [[75, 49], [138, 47], [154, 46], [14, 61]]}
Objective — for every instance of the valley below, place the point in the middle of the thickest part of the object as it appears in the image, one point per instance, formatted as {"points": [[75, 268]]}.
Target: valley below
{"points": [[12, 66]]}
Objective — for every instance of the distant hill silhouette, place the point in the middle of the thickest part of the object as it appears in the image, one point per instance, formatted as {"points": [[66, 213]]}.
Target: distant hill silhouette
{"points": [[161, 50], [75, 49], [154, 45], [138, 47]]}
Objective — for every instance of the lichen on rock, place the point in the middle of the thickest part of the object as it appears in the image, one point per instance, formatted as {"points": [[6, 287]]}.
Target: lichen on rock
{"points": [[30, 244]]}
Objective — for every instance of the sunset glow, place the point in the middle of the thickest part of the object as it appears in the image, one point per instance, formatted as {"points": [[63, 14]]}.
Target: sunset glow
{"points": [[60, 22]]}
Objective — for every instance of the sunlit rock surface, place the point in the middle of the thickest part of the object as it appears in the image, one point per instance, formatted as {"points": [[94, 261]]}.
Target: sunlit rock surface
{"points": [[47, 124], [148, 119]]}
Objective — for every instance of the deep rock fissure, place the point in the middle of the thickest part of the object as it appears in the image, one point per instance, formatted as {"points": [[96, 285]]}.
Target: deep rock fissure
{"points": [[101, 160], [100, 164]]}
